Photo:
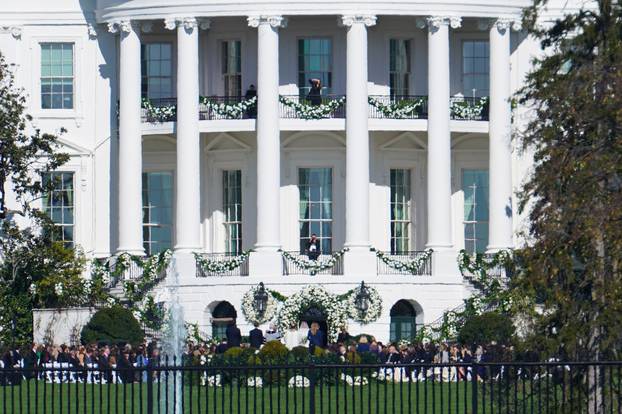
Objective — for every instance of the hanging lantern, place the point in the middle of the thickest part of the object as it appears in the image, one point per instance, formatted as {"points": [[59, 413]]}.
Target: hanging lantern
{"points": [[362, 299], [261, 299]]}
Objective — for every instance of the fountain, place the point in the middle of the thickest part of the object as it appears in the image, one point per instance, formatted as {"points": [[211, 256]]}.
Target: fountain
{"points": [[172, 344]]}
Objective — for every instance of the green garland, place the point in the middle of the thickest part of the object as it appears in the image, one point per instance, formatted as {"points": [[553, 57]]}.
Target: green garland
{"points": [[220, 266], [397, 110], [312, 112], [154, 270], [229, 111], [463, 110], [412, 266], [314, 266], [159, 113]]}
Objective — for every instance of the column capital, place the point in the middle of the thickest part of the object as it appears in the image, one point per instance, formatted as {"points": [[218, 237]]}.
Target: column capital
{"points": [[276, 21], [507, 23], [120, 26], [347, 20], [15, 31], [188, 23], [433, 23]]}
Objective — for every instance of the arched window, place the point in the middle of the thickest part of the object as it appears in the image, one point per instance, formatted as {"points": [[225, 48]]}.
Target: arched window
{"points": [[403, 321], [222, 315]]}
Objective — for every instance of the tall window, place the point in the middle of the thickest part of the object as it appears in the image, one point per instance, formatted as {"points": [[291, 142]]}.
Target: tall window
{"points": [[403, 321], [399, 67], [157, 69], [157, 211], [475, 187], [232, 67], [59, 205], [315, 61], [400, 211], [315, 186], [232, 207], [223, 314], [476, 67], [57, 75]]}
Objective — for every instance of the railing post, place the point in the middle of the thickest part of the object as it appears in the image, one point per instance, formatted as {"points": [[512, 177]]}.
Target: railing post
{"points": [[474, 396], [149, 390], [311, 389]]}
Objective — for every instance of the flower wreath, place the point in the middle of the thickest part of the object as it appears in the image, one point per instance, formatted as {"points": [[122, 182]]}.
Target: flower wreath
{"points": [[295, 305], [375, 305], [250, 312]]}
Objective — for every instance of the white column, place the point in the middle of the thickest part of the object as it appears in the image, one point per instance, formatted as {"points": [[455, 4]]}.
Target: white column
{"points": [[187, 179], [268, 132], [130, 145], [357, 133], [439, 137], [500, 170]]}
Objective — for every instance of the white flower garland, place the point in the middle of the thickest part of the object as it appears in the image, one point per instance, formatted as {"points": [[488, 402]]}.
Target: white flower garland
{"points": [[220, 266], [295, 305], [228, 111], [314, 266], [249, 311], [375, 306], [163, 113], [411, 266], [310, 112], [397, 110], [465, 111]]}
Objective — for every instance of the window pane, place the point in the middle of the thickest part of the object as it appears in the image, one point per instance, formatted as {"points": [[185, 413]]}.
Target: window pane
{"points": [[156, 70], [315, 189], [400, 206], [314, 61], [157, 211], [475, 67], [56, 73], [475, 189], [232, 207]]}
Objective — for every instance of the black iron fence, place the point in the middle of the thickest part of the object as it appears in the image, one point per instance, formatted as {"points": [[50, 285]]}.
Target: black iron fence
{"points": [[296, 263], [417, 263], [307, 388], [222, 258]]}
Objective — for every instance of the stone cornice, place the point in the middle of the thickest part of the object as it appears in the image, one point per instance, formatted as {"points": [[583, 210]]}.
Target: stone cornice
{"points": [[273, 20]]}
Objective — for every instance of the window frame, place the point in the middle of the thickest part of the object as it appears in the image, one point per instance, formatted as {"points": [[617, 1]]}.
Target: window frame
{"points": [[474, 223], [147, 243], [326, 90], [61, 77], [464, 75], [224, 75], [408, 209], [302, 241], [45, 206], [227, 224], [144, 79], [409, 59]]}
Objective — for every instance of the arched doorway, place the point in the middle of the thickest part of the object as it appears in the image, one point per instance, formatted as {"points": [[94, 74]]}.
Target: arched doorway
{"points": [[315, 314], [403, 321], [223, 314]]}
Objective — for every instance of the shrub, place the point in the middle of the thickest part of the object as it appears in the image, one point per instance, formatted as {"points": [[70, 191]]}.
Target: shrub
{"points": [[487, 328], [299, 355], [353, 358], [112, 325], [273, 352]]}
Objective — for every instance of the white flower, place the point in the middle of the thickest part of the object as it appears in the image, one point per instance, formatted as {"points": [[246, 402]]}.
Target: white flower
{"points": [[214, 380], [33, 289], [58, 289], [298, 382], [254, 382]]}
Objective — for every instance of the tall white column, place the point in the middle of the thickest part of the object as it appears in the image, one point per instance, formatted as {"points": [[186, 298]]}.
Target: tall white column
{"points": [[500, 170], [439, 137], [187, 179], [130, 145], [357, 133], [268, 132]]}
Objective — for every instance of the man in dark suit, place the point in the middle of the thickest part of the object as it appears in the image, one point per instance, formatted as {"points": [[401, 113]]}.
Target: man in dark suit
{"points": [[30, 361], [256, 337], [234, 336]]}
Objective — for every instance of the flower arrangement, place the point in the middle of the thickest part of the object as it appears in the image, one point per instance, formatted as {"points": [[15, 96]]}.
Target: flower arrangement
{"points": [[462, 109], [373, 311], [220, 266], [311, 112], [229, 111], [299, 302], [398, 110], [298, 381], [250, 312], [354, 381], [314, 266], [413, 267], [162, 113]]}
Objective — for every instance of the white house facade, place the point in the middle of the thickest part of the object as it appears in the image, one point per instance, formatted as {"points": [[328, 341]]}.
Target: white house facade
{"points": [[405, 147]]}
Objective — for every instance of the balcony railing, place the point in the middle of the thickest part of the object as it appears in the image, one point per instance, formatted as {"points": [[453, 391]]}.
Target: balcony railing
{"points": [[299, 107], [293, 266], [419, 262], [330, 107], [222, 258], [398, 107]]}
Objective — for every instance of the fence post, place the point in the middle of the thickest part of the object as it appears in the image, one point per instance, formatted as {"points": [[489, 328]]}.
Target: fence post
{"points": [[474, 396], [311, 388], [149, 390]]}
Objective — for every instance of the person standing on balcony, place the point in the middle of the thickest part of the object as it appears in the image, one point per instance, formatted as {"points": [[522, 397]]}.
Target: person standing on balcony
{"points": [[315, 94], [313, 247], [251, 93]]}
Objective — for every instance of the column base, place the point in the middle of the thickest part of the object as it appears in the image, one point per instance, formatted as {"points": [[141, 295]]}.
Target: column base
{"points": [[265, 263], [359, 261]]}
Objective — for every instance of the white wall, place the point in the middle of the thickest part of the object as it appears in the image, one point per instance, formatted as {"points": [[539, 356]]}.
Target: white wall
{"points": [[59, 326]]}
